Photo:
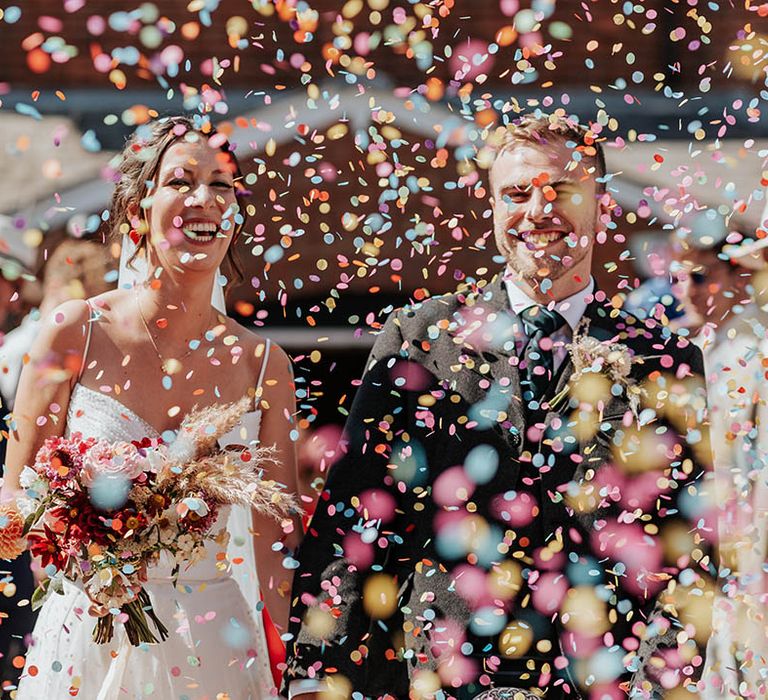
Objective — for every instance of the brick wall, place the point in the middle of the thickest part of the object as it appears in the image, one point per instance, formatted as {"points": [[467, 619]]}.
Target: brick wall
{"points": [[260, 68]]}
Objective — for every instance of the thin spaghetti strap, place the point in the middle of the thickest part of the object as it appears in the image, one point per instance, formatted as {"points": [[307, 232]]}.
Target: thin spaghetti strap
{"points": [[91, 318], [263, 367]]}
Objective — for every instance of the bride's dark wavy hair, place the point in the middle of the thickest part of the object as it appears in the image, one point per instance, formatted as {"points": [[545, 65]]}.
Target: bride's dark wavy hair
{"points": [[138, 166]]}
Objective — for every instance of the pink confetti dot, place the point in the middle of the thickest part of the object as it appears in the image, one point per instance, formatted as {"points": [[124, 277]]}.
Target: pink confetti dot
{"points": [[102, 63], [509, 7], [96, 25], [452, 487], [379, 504], [50, 24], [677, 34], [172, 55], [217, 140], [667, 361]]}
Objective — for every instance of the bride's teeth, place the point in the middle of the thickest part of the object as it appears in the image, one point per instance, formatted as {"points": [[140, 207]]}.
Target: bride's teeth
{"points": [[201, 231]]}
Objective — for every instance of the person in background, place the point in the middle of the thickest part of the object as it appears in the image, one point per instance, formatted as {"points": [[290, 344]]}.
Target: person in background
{"points": [[721, 278], [76, 269], [16, 583], [654, 299]]}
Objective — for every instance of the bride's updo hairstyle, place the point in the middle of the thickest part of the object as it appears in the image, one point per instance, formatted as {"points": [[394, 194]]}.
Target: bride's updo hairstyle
{"points": [[137, 169]]}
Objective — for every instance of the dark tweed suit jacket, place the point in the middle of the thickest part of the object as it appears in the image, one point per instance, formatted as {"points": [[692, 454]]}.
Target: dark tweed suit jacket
{"points": [[442, 379]]}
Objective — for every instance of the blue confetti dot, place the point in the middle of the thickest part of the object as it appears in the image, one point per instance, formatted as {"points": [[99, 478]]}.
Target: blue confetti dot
{"points": [[109, 493], [12, 14]]}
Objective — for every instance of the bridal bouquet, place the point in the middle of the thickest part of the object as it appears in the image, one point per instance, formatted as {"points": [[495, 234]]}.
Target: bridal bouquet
{"points": [[100, 513]]}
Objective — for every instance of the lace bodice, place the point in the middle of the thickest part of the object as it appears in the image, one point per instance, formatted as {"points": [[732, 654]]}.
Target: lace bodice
{"points": [[93, 414]]}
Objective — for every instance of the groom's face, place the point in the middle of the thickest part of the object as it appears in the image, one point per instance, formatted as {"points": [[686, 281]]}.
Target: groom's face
{"points": [[546, 214]]}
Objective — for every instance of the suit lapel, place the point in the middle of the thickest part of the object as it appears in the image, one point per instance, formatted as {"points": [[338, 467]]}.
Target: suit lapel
{"points": [[500, 356], [505, 370]]}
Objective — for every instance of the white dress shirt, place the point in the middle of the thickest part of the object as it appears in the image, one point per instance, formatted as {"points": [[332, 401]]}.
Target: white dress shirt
{"points": [[572, 309]]}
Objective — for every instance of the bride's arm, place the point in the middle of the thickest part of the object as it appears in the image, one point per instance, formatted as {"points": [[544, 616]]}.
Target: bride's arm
{"points": [[42, 397], [278, 423]]}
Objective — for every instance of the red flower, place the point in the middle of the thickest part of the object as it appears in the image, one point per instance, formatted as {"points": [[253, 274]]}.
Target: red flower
{"points": [[44, 545], [82, 522]]}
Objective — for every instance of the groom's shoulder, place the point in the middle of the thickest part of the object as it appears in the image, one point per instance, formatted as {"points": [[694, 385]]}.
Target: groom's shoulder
{"points": [[434, 309], [649, 338]]}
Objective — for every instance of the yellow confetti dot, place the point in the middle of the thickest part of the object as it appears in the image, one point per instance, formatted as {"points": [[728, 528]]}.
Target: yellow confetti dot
{"points": [[380, 596], [32, 237], [515, 640], [319, 622]]}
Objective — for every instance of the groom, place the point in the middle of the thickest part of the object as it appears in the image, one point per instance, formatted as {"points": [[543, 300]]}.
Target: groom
{"points": [[519, 506]]}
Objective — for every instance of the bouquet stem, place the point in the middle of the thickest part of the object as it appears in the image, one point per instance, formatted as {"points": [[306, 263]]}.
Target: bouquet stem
{"points": [[136, 626]]}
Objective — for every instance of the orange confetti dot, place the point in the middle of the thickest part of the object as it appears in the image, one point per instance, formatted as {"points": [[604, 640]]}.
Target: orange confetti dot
{"points": [[18, 662], [38, 61], [244, 308], [506, 35], [435, 89], [486, 117], [190, 30]]}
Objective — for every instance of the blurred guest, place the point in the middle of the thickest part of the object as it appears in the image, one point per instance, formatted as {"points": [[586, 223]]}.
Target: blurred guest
{"points": [[16, 582], [75, 270], [722, 280], [654, 298]]}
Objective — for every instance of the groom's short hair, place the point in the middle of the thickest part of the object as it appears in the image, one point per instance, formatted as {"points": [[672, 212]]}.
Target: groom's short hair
{"points": [[540, 129]]}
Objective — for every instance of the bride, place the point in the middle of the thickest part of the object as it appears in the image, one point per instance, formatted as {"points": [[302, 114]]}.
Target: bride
{"points": [[129, 365]]}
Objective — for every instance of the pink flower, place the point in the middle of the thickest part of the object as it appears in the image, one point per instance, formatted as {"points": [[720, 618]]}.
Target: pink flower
{"points": [[113, 460]]}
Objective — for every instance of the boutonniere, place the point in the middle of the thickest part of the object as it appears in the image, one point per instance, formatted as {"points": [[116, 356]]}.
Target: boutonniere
{"points": [[611, 360]]}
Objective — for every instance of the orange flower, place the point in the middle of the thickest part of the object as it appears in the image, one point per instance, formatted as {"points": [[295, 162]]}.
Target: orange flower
{"points": [[11, 531]]}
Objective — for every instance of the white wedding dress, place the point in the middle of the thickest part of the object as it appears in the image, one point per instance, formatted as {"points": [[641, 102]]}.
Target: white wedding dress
{"points": [[216, 648]]}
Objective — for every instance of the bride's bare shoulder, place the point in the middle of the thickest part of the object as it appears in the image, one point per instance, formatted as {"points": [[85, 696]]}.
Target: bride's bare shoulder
{"points": [[63, 330], [254, 347], [112, 305]]}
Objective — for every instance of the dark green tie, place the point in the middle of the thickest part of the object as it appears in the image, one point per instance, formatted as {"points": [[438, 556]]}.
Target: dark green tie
{"points": [[539, 362]]}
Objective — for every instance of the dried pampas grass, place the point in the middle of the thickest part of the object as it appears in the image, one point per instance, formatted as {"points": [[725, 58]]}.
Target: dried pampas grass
{"points": [[202, 427], [197, 463]]}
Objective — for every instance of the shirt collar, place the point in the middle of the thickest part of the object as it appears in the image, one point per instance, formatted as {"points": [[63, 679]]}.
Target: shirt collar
{"points": [[571, 308]]}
